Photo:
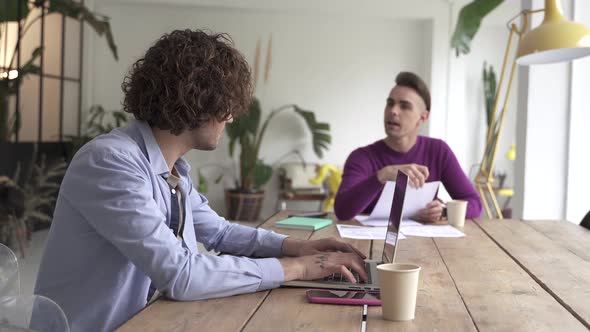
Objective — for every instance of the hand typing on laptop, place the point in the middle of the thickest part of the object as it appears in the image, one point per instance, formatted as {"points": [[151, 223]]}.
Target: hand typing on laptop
{"points": [[320, 258]]}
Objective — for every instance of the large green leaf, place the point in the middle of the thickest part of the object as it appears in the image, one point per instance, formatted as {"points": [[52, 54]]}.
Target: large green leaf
{"points": [[489, 85], [262, 174], [9, 10], [468, 23], [203, 186], [244, 127], [320, 131], [78, 11]]}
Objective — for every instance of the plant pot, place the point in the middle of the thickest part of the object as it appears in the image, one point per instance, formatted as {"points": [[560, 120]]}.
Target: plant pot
{"points": [[243, 206]]}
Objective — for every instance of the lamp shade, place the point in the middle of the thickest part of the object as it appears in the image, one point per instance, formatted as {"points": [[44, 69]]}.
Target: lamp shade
{"points": [[555, 40]]}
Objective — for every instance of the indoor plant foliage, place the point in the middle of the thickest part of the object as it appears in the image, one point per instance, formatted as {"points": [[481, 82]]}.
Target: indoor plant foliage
{"points": [[23, 12], [489, 89], [28, 197], [248, 132], [468, 23], [39, 185], [100, 121]]}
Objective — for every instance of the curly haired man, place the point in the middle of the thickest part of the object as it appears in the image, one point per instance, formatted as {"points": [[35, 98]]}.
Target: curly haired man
{"points": [[128, 218]]}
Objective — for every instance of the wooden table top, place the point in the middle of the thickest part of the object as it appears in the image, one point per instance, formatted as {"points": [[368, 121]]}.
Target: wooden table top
{"points": [[505, 275]]}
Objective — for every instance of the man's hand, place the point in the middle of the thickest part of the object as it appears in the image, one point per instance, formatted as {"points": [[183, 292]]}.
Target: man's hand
{"points": [[294, 247], [417, 174], [431, 213], [321, 265]]}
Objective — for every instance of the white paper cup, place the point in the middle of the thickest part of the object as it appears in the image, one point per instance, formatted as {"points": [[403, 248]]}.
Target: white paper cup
{"points": [[399, 287], [456, 210]]}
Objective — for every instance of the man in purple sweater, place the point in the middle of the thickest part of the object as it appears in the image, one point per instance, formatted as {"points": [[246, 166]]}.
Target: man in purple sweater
{"points": [[424, 159]]}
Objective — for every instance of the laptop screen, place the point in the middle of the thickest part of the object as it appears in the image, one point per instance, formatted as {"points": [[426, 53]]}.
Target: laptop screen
{"points": [[395, 218]]}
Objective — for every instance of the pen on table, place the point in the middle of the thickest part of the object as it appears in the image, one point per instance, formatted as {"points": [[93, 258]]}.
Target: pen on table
{"points": [[364, 321]]}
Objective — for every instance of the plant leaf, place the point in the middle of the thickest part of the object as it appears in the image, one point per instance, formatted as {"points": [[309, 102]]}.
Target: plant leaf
{"points": [[9, 10], [320, 131], [38, 215], [262, 174], [29, 67], [244, 126], [468, 22], [203, 186], [489, 84], [78, 11]]}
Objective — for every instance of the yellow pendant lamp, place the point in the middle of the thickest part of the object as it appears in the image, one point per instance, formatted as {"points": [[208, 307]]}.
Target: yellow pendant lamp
{"points": [[555, 40]]}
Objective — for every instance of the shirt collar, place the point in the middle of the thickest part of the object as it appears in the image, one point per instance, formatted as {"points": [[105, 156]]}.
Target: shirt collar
{"points": [[154, 153]]}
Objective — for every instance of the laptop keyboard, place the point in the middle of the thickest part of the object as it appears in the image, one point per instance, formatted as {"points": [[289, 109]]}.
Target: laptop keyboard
{"points": [[338, 277]]}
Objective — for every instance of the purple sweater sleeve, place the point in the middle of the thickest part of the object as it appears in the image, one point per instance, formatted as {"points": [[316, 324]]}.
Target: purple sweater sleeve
{"points": [[359, 186], [457, 183]]}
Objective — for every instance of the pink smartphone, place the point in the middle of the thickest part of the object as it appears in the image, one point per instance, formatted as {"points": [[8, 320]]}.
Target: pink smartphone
{"points": [[343, 297]]}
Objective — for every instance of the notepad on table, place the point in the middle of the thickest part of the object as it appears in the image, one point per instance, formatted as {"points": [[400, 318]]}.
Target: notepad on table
{"points": [[309, 224]]}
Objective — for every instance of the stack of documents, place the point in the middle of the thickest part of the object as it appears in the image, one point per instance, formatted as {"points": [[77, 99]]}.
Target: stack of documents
{"points": [[408, 228], [375, 225]]}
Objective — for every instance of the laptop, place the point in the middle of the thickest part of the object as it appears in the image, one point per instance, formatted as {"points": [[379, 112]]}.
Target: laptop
{"points": [[390, 247]]}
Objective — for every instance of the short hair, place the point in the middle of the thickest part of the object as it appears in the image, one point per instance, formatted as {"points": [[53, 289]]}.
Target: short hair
{"points": [[186, 79], [413, 81]]}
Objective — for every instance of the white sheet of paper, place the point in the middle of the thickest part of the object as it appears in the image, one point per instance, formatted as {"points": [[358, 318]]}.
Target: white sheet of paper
{"points": [[432, 231], [384, 222], [361, 218], [362, 232], [416, 199]]}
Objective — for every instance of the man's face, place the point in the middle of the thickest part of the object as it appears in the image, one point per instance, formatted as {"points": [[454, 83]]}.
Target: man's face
{"points": [[404, 113], [208, 135]]}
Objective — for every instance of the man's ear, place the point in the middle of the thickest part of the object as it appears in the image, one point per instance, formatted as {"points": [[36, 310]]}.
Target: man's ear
{"points": [[424, 116]]}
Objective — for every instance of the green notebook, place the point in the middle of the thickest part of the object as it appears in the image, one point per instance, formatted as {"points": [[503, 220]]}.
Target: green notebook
{"points": [[309, 224]]}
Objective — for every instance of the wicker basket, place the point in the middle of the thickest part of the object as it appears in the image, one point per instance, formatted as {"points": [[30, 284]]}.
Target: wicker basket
{"points": [[243, 206]]}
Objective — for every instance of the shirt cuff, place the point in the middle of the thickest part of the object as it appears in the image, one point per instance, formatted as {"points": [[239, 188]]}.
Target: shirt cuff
{"points": [[273, 244], [272, 273]]}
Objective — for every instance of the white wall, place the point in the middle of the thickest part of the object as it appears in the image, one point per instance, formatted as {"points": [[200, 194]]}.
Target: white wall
{"points": [[552, 131], [578, 181], [334, 57]]}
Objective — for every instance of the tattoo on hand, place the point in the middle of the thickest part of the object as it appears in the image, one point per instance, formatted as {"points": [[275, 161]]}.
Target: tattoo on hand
{"points": [[321, 260]]}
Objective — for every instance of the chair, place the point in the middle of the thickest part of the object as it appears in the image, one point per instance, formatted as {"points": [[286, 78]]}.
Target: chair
{"points": [[9, 277], [31, 313], [586, 221], [295, 185], [25, 313]]}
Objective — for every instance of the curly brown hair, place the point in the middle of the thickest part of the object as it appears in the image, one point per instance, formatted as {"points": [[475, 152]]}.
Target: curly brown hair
{"points": [[186, 79]]}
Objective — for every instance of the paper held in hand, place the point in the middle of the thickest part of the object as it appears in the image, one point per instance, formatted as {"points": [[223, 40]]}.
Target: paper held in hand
{"points": [[416, 199]]}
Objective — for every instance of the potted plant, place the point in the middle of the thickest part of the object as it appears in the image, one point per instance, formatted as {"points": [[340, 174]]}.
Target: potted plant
{"points": [[21, 12], [100, 121], [26, 14], [245, 200]]}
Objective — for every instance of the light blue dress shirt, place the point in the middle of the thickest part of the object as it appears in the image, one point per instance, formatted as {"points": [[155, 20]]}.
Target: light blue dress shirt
{"points": [[110, 237]]}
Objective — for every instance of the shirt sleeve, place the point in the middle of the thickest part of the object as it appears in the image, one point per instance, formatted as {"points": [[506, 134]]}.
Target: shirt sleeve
{"points": [[359, 187], [218, 234], [114, 193], [458, 184]]}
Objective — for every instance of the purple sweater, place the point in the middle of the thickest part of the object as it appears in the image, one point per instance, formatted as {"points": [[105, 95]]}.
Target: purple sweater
{"points": [[360, 188]]}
